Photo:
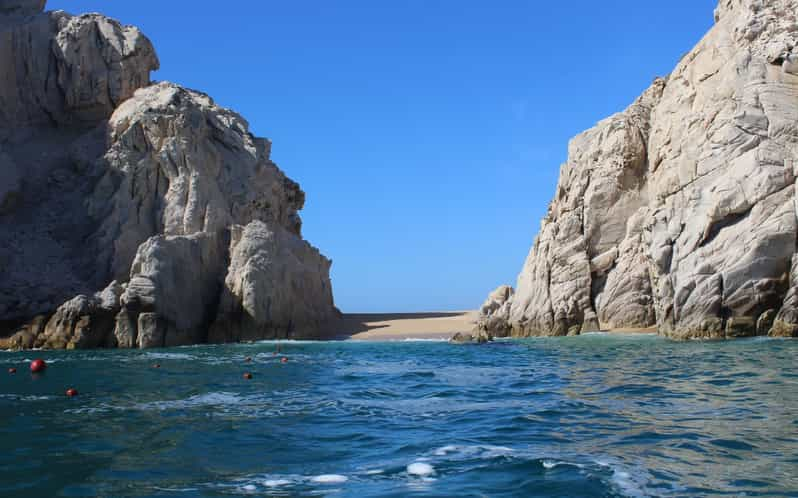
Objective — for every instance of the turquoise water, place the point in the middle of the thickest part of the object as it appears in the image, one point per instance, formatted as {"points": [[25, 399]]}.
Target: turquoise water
{"points": [[574, 417]]}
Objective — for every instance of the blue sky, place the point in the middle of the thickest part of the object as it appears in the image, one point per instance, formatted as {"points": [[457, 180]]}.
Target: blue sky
{"points": [[427, 134]]}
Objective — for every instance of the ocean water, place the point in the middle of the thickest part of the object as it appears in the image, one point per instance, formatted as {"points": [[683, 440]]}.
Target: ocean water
{"points": [[591, 416]]}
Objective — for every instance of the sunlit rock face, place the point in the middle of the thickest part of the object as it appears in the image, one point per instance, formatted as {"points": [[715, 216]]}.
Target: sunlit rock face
{"points": [[119, 199], [680, 212]]}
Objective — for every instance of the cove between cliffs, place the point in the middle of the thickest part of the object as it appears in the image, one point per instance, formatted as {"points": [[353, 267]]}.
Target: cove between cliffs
{"points": [[136, 214]]}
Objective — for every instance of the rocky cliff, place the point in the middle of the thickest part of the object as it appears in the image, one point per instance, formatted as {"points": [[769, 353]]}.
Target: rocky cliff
{"points": [[680, 211], [135, 214]]}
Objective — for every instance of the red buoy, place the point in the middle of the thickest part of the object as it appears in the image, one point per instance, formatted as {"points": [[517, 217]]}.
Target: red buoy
{"points": [[38, 366], [248, 376], [284, 359], [12, 370], [72, 392]]}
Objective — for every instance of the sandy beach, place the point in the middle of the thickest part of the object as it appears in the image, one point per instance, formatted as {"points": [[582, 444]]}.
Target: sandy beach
{"points": [[431, 325], [398, 326]]}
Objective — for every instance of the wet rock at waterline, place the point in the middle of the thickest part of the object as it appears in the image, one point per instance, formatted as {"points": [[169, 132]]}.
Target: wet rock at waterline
{"points": [[479, 337]]}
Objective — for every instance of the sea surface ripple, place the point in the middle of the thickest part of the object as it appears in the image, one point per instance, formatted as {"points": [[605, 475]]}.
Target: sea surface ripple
{"points": [[591, 416]]}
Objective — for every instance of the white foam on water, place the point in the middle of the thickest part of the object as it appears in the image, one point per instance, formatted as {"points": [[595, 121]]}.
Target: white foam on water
{"points": [[168, 356], [267, 483], [374, 472], [50, 361], [628, 482], [231, 404], [21, 397], [329, 479], [254, 484], [276, 483], [629, 485], [420, 469], [210, 399], [445, 450], [474, 451], [92, 410], [549, 464]]}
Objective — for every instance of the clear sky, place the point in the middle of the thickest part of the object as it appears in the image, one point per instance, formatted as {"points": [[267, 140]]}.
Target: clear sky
{"points": [[427, 134]]}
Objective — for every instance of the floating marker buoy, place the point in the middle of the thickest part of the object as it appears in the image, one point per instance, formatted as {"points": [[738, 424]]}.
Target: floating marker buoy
{"points": [[156, 366], [72, 392], [248, 376], [12, 370], [38, 366], [284, 359]]}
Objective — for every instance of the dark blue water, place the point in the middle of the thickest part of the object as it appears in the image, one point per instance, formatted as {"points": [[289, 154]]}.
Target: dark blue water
{"points": [[574, 417]]}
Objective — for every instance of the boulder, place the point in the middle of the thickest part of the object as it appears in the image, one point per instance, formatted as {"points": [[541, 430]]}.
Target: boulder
{"points": [[179, 164], [25, 336], [83, 322], [277, 286], [495, 312], [174, 287], [65, 70], [472, 338], [785, 323]]}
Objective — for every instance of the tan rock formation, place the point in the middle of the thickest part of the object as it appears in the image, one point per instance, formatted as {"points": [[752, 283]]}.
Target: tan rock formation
{"points": [[106, 177], [680, 211], [270, 268]]}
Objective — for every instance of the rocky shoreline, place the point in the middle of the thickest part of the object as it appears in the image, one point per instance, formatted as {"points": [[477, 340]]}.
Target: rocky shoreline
{"points": [[137, 214]]}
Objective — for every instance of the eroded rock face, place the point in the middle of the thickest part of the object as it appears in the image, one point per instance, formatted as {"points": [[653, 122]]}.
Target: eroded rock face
{"points": [[173, 290], [108, 72], [680, 211], [60, 78], [494, 315], [785, 323], [179, 164], [277, 286], [586, 257], [106, 177], [67, 70], [83, 322]]}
